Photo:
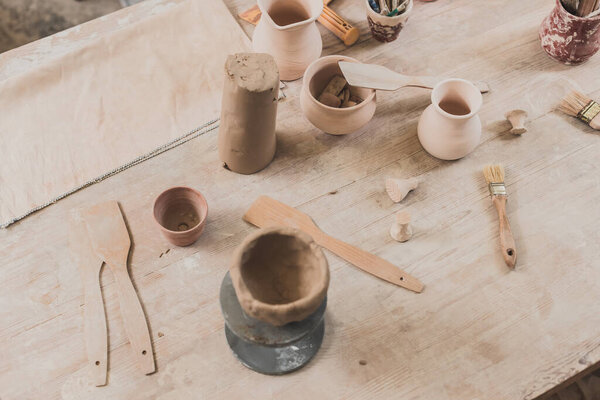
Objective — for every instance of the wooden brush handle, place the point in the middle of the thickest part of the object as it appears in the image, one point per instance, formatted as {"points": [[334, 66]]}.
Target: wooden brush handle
{"points": [[96, 338], [134, 319], [339, 26], [507, 242], [369, 262]]}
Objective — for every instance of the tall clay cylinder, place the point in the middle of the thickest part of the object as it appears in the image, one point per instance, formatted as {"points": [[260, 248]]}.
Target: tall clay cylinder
{"points": [[248, 112]]}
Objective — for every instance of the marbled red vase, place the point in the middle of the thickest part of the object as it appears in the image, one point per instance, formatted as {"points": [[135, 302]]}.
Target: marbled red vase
{"points": [[568, 38]]}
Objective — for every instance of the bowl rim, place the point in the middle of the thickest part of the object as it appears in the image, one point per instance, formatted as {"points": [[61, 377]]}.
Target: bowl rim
{"points": [[202, 202], [435, 100], [275, 311], [306, 83]]}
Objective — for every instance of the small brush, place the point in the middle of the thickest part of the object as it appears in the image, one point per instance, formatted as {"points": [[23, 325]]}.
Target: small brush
{"points": [[580, 106], [494, 176]]}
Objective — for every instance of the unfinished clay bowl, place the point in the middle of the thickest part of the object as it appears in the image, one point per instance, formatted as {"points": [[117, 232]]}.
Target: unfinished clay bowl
{"points": [[336, 121], [280, 275], [181, 212]]}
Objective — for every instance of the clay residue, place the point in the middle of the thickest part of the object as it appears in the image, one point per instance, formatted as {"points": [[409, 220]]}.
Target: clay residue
{"points": [[255, 72]]}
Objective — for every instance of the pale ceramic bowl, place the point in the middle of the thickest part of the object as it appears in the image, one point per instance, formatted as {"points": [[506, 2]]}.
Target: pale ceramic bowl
{"points": [[181, 213], [336, 121]]}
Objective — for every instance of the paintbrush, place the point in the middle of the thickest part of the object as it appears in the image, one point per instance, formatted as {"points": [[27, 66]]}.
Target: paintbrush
{"points": [[580, 106], [494, 176]]}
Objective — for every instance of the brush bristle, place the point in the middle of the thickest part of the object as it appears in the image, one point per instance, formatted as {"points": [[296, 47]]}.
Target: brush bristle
{"points": [[493, 173], [573, 103]]}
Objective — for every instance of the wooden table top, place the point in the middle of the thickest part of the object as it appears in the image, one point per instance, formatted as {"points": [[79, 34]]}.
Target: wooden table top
{"points": [[478, 331]]}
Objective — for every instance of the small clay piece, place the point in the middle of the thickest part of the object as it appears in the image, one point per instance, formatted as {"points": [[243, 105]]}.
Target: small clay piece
{"points": [[280, 275], [397, 189], [181, 214], [330, 100], [338, 94], [401, 229], [334, 87], [517, 119], [248, 112]]}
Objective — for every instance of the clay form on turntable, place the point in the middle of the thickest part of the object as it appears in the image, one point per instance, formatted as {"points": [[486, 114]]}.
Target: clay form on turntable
{"points": [[181, 212], [397, 189], [331, 119], [401, 230], [450, 128], [287, 30], [517, 119], [280, 275], [247, 139]]}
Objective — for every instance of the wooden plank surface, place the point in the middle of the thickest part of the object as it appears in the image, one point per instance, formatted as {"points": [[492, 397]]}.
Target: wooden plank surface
{"points": [[478, 331]]}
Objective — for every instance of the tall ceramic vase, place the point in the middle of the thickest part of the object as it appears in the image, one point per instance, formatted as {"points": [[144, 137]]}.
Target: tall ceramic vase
{"points": [[568, 38], [287, 30], [450, 128]]}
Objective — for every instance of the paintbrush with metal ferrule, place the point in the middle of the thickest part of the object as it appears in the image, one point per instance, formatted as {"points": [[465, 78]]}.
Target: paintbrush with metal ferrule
{"points": [[581, 107], [494, 175]]}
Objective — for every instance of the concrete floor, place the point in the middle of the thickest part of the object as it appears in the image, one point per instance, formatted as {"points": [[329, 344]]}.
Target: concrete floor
{"points": [[23, 21]]}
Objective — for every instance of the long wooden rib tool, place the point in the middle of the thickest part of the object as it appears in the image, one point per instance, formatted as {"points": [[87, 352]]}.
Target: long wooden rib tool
{"points": [[374, 76], [90, 265], [494, 176], [266, 211], [110, 241]]}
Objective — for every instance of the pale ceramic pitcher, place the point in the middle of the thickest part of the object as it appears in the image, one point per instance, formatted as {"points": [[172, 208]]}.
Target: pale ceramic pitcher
{"points": [[287, 30], [450, 127]]}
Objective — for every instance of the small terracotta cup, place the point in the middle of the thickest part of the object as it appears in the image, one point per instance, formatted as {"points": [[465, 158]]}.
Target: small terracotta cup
{"points": [[336, 121], [280, 275], [384, 28], [568, 38], [181, 212]]}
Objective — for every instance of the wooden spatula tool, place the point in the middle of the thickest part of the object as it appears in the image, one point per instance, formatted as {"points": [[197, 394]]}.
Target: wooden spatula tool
{"points": [[110, 242], [266, 211], [374, 76], [90, 265]]}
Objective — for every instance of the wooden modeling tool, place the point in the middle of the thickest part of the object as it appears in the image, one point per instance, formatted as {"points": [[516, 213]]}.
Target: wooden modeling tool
{"points": [[494, 176], [109, 240], [328, 18], [374, 76], [265, 212], [582, 107], [90, 265]]}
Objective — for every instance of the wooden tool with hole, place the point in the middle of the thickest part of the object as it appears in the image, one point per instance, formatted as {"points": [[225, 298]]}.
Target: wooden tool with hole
{"points": [[109, 241], [266, 211], [328, 18], [378, 77]]}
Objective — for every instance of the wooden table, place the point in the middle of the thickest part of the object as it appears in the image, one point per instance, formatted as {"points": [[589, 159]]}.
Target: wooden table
{"points": [[478, 331]]}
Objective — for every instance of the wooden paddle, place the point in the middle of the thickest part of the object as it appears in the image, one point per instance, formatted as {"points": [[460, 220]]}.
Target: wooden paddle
{"points": [[110, 241], [90, 265], [378, 77], [266, 211]]}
